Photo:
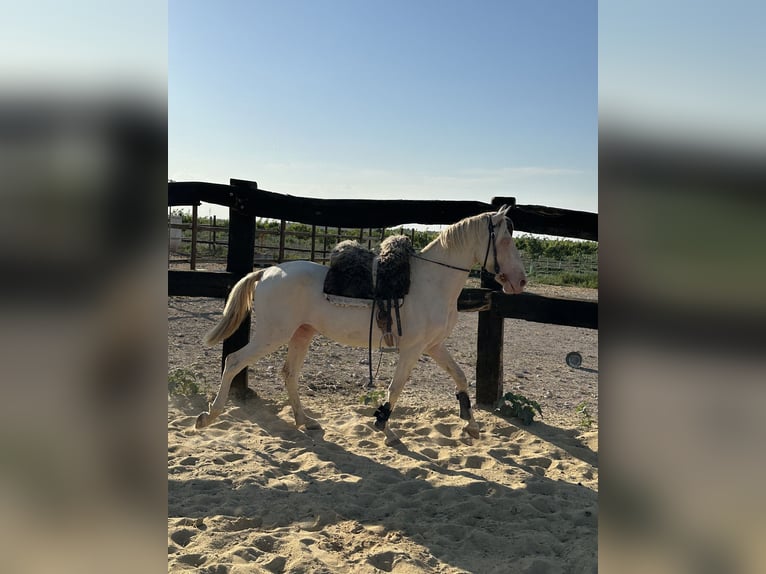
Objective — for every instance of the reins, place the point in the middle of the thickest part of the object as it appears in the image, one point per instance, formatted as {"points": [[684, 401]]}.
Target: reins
{"points": [[416, 256], [491, 242]]}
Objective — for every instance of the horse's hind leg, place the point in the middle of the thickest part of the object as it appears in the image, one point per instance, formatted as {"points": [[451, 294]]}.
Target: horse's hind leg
{"points": [[296, 353], [235, 362], [441, 355]]}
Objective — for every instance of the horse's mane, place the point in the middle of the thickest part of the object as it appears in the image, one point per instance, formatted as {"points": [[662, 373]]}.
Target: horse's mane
{"points": [[459, 234]]}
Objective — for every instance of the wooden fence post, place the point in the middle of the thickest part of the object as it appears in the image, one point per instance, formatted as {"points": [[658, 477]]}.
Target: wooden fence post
{"points": [[313, 242], [239, 262], [489, 351], [193, 257], [324, 249], [282, 229], [213, 239]]}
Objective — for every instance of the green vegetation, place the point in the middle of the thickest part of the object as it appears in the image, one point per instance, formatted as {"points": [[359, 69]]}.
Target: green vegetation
{"points": [[519, 406], [183, 382], [373, 397], [419, 238], [535, 247], [586, 419], [559, 261]]}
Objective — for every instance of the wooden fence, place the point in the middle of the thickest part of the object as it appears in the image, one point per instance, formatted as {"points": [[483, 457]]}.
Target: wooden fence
{"points": [[273, 245], [246, 202]]}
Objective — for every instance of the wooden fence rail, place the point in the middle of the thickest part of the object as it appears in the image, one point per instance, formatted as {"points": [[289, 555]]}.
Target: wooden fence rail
{"points": [[246, 198], [246, 202]]}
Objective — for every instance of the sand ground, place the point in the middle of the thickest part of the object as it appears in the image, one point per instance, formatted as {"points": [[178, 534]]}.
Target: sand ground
{"points": [[251, 493]]}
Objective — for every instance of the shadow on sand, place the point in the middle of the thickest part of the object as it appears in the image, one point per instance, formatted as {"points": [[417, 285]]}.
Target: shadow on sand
{"points": [[455, 523]]}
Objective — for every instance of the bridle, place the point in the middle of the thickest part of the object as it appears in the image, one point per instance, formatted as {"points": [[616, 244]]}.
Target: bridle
{"points": [[490, 242], [494, 247]]}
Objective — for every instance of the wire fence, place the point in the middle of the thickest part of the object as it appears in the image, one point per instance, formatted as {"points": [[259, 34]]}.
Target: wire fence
{"points": [[583, 265]]}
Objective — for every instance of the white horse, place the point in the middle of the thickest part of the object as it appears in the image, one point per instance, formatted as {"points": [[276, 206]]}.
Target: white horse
{"points": [[289, 306]]}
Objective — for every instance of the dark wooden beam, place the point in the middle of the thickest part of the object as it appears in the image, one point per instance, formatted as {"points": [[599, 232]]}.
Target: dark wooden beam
{"points": [[540, 309], [555, 221], [248, 199], [200, 283], [472, 300], [195, 192], [355, 213]]}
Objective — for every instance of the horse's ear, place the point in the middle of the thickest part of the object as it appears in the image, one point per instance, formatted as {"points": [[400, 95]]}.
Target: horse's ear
{"points": [[503, 212]]}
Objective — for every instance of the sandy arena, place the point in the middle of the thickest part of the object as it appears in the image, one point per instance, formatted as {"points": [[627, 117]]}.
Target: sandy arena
{"points": [[251, 493]]}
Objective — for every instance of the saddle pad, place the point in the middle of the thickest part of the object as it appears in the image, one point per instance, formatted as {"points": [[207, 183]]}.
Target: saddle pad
{"points": [[350, 272], [354, 270]]}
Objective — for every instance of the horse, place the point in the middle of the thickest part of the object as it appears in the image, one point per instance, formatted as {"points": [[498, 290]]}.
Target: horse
{"points": [[289, 306]]}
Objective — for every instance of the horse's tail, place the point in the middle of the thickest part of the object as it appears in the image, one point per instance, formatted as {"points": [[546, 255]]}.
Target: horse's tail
{"points": [[238, 305]]}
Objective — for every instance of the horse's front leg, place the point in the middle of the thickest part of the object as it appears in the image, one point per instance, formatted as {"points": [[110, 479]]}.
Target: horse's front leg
{"points": [[407, 360], [441, 355]]}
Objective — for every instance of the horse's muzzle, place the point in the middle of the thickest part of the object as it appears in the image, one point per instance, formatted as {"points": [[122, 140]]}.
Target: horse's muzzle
{"points": [[509, 287]]}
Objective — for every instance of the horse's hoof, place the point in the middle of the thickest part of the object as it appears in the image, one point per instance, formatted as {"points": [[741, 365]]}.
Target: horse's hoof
{"points": [[472, 430], [312, 424], [391, 438], [203, 420], [207, 418]]}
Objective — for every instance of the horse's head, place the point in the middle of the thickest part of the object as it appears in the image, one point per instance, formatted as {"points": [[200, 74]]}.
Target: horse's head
{"points": [[511, 273]]}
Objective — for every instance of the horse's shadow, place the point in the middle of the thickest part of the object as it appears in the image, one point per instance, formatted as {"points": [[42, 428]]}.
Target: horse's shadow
{"points": [[349, 486], [565, 439]]}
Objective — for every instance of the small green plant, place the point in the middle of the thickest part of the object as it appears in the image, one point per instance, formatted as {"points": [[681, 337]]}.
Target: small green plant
{"points": [[373, 397], [519, 406], [586, 419], [183, 382]]}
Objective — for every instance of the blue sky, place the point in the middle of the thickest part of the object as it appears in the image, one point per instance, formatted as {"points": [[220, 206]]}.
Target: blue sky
{"points": [[694, 74], [397, 99]]}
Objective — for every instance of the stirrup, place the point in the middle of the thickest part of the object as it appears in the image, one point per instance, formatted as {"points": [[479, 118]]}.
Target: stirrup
{"points": [[385, 347]]}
